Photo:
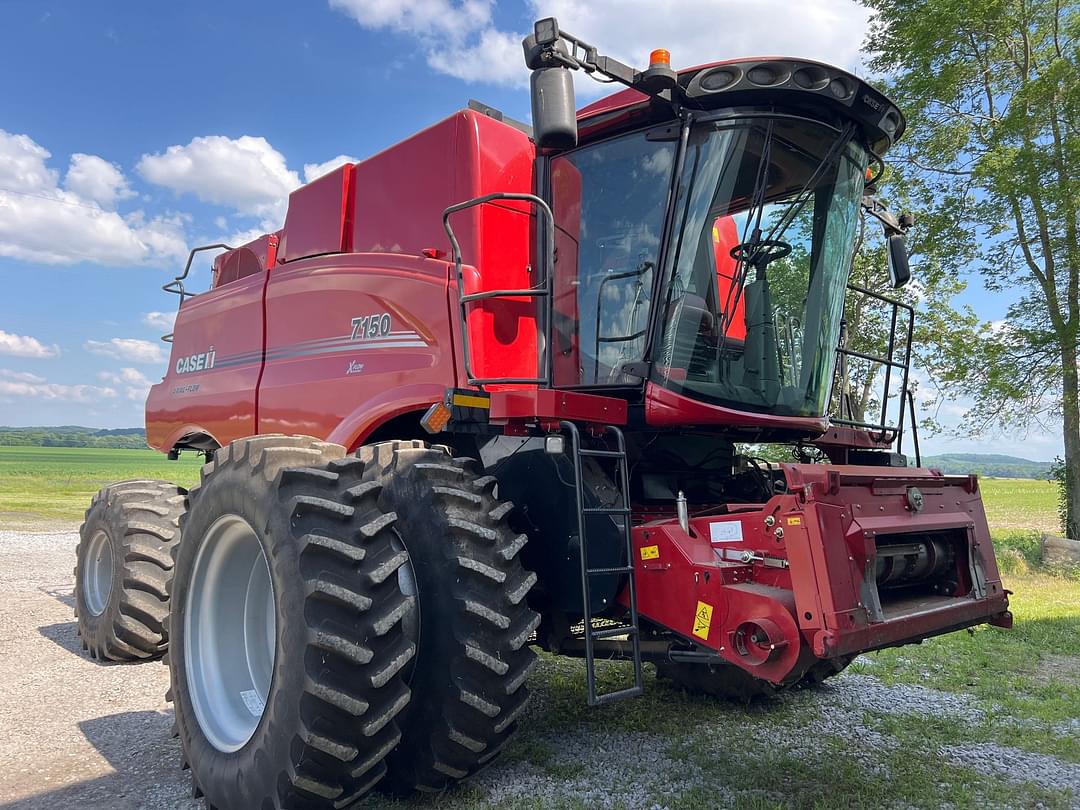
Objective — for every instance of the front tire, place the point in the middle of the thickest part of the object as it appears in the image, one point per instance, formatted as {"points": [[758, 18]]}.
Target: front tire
{"points": [[468, 680], [122, 563], [287, 641]]}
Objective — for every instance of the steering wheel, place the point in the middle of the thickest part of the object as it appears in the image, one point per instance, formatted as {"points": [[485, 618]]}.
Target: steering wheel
{"points": [[760, 253]]}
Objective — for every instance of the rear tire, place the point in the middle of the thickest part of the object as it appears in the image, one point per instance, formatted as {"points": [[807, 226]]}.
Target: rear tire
{"points": [[468, 680], [314, 660], [730, 682], [122, 564]]}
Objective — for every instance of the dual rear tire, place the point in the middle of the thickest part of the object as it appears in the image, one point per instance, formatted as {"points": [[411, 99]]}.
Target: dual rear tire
{"points": [[343, 621], [122, 564]]}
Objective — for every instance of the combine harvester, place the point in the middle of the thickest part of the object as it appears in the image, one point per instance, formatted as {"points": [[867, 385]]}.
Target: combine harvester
{"points": [[586, 319]]}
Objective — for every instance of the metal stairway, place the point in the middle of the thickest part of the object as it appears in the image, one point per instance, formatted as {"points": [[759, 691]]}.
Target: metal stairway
{"points": [[621, 514]]}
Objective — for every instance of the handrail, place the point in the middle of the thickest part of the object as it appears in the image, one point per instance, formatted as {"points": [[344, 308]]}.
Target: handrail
{"points": [[176, 286], [886, 431], [542, 290]]}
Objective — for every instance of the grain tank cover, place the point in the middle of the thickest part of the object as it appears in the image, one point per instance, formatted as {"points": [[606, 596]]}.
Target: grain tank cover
{"points": [[319, 220]]}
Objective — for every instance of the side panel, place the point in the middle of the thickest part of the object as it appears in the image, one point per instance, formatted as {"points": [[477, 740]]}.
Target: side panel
{"points": [[213, 371], [351, 333]]}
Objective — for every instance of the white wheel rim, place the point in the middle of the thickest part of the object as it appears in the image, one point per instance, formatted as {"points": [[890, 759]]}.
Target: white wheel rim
{"points": [[230, 633], [97, 573]]}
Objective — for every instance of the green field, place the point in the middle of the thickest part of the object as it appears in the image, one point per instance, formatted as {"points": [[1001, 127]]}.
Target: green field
{"points": [[1018, 504], [56, 483]]}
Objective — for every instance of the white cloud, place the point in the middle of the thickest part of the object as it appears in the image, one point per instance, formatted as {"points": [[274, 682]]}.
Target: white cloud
{"points": [[25, 346], [136, 384], [462, 39], [132, 349], [313, 171], [425, 17], [159, 320], [492, 57], [244, 173], [20, 376], [20, 384], [42, 222], [96, 179]]}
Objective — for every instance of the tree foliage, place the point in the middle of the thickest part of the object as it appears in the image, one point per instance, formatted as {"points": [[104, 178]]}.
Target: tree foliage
{"points": [[992, 96]]}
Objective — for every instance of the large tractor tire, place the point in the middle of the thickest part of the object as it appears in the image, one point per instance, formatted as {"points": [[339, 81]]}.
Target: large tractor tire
{"points": [[729, 682], [468, 678], [121, 566], [287, 645]]}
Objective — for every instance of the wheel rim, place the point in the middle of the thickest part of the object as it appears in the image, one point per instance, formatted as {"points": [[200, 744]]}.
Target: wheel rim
{"points": [[410, 623], [230, 633], [98, 573]]}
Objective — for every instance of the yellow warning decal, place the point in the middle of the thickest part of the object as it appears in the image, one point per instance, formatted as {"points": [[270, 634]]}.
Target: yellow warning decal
{"points": [[794, 520], [703, 620], [650, 552], [466, 401]]}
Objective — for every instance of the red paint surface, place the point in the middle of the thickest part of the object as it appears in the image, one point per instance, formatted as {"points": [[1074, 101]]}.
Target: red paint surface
{"points": [[830, 523], [315, 380]]}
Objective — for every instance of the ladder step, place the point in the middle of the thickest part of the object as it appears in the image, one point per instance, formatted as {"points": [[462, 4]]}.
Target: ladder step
{"points": [[619, 569], [631, 630], [611, 697], [612, 632]]}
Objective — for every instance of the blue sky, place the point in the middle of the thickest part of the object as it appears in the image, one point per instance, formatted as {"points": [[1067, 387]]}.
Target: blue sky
{"points": [[130, 131]]}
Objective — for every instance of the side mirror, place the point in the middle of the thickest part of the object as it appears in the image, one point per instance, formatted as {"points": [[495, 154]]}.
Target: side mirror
{"points": [[899, 269], [554, 112]]}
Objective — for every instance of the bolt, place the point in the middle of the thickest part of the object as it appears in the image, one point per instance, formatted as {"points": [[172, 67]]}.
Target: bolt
{"points": [[779, 532], [769, 520]]}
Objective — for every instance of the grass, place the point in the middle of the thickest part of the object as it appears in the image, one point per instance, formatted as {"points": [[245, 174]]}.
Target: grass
{"points": [[56, 483], [1023, 684], [1020, 504]]}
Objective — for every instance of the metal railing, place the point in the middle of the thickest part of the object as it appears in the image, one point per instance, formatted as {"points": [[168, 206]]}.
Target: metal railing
{"points": [[886, 430], [541, 291]]}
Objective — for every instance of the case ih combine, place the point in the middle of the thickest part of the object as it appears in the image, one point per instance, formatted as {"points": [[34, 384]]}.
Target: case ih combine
{"points": [[587, 319]]}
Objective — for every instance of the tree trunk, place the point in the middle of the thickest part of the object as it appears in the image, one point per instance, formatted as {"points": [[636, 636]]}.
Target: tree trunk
{"points": [[1071, 412]]}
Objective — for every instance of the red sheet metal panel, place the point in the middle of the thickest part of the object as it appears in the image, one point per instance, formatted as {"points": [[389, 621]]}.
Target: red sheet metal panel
{"points": [[319, 220]]}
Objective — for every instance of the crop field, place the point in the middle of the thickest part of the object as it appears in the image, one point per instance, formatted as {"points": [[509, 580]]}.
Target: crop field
{"points": [[984, 718], [55, 484], [58, 482]]}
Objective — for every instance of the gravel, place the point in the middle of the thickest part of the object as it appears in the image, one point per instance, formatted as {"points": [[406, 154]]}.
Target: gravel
{"points": [[1016, 766], [77, 733]]}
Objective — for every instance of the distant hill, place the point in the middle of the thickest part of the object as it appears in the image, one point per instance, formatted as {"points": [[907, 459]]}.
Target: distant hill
{"points": [[988, 464], [73, 436]]}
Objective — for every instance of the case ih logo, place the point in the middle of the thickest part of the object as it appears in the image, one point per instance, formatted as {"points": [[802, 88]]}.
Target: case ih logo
{"points": [[196, 362]]}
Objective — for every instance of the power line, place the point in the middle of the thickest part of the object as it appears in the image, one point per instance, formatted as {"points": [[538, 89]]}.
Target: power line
{"points": [[97, 208]]}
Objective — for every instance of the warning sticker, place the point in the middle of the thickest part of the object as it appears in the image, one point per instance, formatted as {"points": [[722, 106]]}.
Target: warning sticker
{"points": [[650, 552], [794, 520], [703, 620]]}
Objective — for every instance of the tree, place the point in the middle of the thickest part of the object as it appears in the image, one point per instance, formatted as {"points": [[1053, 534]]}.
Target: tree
{"points": [[992, 96]]}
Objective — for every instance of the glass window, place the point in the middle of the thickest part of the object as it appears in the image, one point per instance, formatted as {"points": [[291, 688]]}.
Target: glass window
{"points": [[766, 221], [609, 201]]}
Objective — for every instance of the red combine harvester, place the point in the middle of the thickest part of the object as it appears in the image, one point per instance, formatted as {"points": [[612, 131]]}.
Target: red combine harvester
{"points": [[589, 319]]}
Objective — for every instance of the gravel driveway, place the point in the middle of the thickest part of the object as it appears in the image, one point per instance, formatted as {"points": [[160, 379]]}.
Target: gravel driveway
{"points": [[77, 733]]}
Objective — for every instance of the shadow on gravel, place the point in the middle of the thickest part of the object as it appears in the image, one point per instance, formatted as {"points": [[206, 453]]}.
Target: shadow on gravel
{"points": [[65, 594], [144, 758], [66, 635]]}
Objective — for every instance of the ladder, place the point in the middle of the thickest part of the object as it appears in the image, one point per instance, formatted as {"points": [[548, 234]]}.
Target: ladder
{"points": [[621, 514]]}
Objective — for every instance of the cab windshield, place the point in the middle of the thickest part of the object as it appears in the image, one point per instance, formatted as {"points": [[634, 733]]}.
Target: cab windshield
{"points": [[754, 281]]}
